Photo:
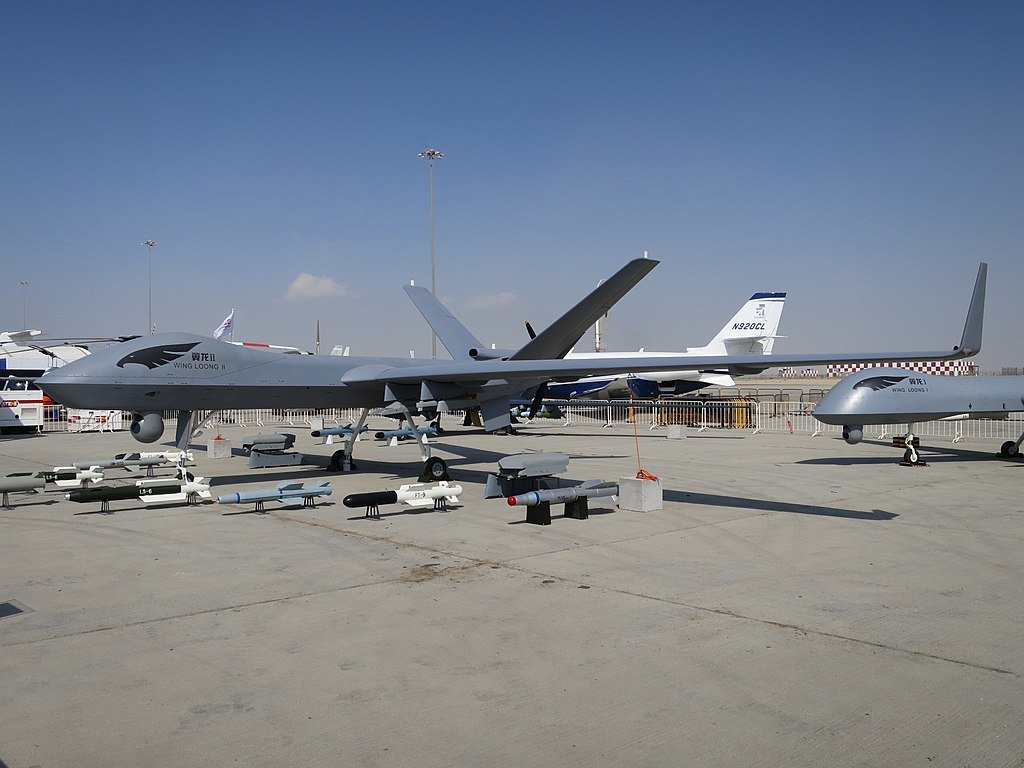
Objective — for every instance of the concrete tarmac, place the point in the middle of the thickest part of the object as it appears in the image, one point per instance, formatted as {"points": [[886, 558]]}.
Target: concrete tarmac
{"points": [[797, 602]]}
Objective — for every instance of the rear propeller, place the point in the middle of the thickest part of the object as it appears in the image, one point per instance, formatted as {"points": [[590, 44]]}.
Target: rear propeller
{"points": [[543, 388]]}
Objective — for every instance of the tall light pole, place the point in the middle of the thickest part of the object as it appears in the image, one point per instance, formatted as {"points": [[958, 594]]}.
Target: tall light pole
{"points": [[150, 244], [24, 301], [431, 155]]}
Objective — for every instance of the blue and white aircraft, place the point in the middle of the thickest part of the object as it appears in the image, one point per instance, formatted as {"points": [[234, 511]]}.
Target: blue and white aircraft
{"points": [[751, 331]]}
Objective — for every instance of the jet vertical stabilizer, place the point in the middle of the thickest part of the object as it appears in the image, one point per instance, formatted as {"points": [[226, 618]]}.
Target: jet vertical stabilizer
{"points": [[456, 338], [752, 330], [553, 342]]}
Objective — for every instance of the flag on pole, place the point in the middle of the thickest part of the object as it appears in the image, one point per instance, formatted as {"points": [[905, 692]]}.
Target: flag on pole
{"points": [[228, 326]]}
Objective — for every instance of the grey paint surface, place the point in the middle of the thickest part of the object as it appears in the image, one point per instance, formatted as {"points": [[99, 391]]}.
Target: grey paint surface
{"points": [[888, 395], [798, 602]]}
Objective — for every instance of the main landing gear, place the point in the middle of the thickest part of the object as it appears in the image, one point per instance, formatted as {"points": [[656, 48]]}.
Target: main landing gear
{"points": [[912, 458], [434, 467], [1011, 448]]}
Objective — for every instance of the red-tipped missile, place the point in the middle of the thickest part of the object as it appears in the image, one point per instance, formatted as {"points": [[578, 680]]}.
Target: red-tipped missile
{"points": [[533, 498]]}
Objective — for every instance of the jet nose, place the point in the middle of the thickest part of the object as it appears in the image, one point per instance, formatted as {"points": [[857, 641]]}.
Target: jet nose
{"points": [[825, 411], [54, 388], [51, 379], [61, 387]]}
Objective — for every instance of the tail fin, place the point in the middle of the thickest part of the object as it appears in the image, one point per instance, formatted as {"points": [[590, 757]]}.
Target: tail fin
{"points": [[456, 338], [752, 330], [555, 341], [970, 342]]}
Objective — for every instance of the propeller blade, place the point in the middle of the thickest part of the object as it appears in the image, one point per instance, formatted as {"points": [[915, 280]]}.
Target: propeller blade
{"points": [[538, 398]]}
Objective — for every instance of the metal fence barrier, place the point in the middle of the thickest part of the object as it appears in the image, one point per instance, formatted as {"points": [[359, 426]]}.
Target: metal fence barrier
{"points": [[770, 413], [770, 416]]}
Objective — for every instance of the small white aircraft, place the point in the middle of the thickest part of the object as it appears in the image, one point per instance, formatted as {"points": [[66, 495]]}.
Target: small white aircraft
{"points": [[751, 331]]}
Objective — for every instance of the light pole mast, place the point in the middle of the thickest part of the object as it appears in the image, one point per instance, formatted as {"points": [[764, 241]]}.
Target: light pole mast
{"points": [[149, 248], [24, 302], [431, 155]]}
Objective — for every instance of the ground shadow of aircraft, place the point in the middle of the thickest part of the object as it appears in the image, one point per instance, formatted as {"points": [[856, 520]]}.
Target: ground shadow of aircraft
{"points": [[938, 454], [738, 502]]}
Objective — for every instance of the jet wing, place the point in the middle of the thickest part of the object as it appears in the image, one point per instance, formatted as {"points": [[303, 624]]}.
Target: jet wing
{"points": [[555, 341], [510, 370], [549, 369]]}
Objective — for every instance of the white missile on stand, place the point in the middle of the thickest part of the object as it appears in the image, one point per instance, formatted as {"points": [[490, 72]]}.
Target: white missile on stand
{"points": [[190, 489], [415, 495], [138, 459], [424, 494], [132, 462], [72, 477]]}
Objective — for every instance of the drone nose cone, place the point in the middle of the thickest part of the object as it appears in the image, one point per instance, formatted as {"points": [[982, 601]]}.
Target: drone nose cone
{"points": [[59, 388], [67, 383], [53, 380], [828, 408]]}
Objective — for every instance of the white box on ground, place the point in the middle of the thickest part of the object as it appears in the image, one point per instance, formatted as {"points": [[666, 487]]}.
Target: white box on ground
{"points": [[636, 495], [218, 449], [676, 431]]}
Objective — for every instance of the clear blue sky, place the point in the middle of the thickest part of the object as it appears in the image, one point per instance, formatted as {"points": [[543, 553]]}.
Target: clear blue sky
{"points": [[862, 156]]}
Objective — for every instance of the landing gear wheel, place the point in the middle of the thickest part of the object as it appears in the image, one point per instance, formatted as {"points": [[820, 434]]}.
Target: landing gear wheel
{"points": [[434, 470], [1009, 449], [338, 462], [908, 456]]}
